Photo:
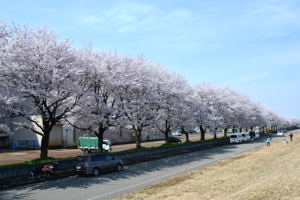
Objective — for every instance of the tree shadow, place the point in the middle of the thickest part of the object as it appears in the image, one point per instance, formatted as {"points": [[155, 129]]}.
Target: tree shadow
{"points": [[81, 182]]}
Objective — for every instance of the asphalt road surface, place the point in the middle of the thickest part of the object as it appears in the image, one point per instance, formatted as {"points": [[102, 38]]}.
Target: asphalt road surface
{"points": [[132, 178]]}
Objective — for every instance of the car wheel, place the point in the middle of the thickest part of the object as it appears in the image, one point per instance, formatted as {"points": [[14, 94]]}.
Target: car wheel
{"points": [[96, 172]]}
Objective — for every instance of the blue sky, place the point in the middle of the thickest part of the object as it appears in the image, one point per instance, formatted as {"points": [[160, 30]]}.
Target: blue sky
{"points": [[252, 46]]}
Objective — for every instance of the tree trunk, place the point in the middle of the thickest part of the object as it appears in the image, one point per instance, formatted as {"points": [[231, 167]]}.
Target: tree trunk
{"points": [[138, 142], [233, 129], [100, 134], [45, 139], [166, 137], [187, 138], [241, 129], [44, 145], [215, 134], [202, 130], [167, 130], [225, 132], [138, 134]]}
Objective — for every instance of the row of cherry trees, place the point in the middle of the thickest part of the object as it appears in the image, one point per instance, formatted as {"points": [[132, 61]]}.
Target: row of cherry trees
{"points": [[43, 76]]}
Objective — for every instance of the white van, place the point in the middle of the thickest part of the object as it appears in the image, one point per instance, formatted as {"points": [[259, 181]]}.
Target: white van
{"points": [[236, 138], [246, 136], [280, 133]]}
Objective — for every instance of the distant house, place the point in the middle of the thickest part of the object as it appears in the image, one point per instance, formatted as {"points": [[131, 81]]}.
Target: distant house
{"points": [[22, 138]]}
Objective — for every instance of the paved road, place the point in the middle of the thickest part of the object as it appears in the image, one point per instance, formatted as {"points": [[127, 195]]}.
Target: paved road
{"points": [[133, 177]]}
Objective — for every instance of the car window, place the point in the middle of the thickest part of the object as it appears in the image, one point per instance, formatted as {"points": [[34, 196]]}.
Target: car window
{"points": [[233, 136], [81, 158], [108, 157], [97, 158]]}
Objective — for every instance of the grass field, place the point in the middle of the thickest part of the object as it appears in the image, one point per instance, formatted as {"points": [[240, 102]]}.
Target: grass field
{"points": [[266, 173]]}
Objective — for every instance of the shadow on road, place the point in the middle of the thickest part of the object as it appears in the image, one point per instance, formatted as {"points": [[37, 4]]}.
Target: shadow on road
{"points": [[129, 172]]}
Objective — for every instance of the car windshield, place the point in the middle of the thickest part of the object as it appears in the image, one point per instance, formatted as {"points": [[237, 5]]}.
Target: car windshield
{"points": [[81, 158], [233, 136], [98, 157]]}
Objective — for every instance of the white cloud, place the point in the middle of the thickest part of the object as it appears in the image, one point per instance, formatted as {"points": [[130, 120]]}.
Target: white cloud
{"points": [[202, 29], [248, 79], [136, 17], [90, 20], [268, 19]]}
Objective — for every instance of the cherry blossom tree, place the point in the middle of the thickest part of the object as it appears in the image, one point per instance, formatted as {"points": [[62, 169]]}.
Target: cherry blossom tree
{"points": [[209, 107], [171, 89], [38, 76], [185, 115], [137, 95], [44, 80], [97, 110]]}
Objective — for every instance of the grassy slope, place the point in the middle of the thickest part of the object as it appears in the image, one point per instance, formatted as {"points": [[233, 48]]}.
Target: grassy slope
{"points": [[266, 173]]}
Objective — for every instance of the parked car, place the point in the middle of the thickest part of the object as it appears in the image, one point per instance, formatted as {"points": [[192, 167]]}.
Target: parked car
{"points": [[96, 163], [192, 131], [236, 138], [280, 133], [174, 140], [177, 133], [246, 136]]}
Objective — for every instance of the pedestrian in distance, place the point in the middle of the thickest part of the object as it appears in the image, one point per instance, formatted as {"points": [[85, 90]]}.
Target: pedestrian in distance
{"points": [[291, 136], [268, 141]]}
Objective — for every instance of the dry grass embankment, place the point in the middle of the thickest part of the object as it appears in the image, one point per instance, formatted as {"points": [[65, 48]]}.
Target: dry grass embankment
{"points": [[266, 173]]}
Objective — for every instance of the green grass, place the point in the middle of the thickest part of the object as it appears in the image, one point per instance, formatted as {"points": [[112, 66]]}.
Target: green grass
{"points": [[166, 145], [131, 150], [36, 161]]}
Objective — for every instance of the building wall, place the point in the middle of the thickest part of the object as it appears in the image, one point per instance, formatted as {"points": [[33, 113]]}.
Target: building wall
{"points": [[115, 135], [67, 136], [123, 135], [22, 138], [56, 136]]}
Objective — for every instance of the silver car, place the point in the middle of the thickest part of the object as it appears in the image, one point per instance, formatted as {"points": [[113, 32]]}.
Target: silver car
{"points": [[97, 163]]}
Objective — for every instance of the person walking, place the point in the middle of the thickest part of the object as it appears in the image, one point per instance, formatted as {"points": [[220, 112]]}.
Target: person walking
{"points": [[291, 136], [268, 141]]}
